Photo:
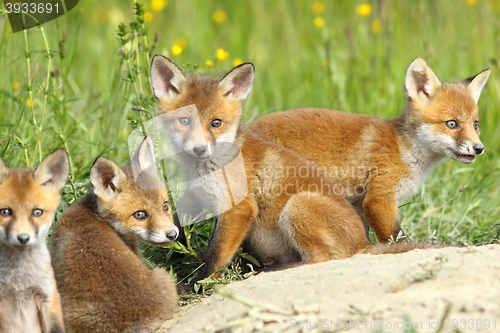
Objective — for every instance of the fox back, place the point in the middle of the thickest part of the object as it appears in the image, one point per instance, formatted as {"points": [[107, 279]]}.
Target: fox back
{"points": [[29, 301], [104, 285]]}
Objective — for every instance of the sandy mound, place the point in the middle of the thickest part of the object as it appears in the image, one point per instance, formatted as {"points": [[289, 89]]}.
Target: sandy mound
{"points": [[455, 287]]}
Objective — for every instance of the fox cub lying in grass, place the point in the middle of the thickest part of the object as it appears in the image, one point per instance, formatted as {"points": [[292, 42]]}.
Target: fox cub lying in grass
{"points": [[104, 285], [29, 301]]}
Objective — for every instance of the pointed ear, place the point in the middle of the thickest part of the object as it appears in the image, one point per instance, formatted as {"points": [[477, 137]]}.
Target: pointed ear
{"points": [[238, 82], [144, 159], [475, 84], [166, 78], [107, 178], [421, 83], [53, 171], [4, 171]]}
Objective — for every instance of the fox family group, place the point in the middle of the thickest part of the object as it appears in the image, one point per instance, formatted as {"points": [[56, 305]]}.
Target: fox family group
{"points": [[92, 279]]}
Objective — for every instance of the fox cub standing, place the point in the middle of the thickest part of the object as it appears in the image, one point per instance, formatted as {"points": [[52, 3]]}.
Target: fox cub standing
{"points": [[290, 215], [380, 162], [104, 285], [29, 301]]}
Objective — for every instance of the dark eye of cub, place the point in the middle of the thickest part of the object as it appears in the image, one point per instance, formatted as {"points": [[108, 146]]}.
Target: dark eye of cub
{"points": [[37, 212], [6, 212], [476, 125], [452, 124], [185, 121], [216, 123], [165, 206], [140, 215]]}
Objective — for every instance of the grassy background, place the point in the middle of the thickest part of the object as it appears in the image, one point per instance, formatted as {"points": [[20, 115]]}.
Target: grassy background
{"points": [[73, 83]]}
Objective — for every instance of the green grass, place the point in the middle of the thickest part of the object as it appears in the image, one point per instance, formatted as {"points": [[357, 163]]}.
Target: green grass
{"points": [[73, 85]]}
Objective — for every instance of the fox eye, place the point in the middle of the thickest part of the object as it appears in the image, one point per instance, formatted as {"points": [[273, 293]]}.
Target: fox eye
{"points": [[451, 124], [6, 212], [216, 123], [140, 215], [185, 121], [476, 125], [165, 206], [37, 212]]}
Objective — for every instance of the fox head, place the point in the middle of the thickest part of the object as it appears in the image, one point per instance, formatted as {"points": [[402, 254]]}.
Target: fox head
{"points": [[29, 199], [201, 114], [133, 200], [445, 116]]}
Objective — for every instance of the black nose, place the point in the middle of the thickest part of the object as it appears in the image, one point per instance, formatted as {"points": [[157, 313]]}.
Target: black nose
{"points": [[199, 150], [23, 238], [478, 148], [172, 235]]}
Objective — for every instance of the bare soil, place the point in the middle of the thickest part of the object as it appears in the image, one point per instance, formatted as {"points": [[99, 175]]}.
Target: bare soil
{"points": [[452, 289]]}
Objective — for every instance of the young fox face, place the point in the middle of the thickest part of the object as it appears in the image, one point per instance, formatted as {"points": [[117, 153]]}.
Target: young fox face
{"points": [[29, 199], [445, 115], [133, 200], [202, 123]]}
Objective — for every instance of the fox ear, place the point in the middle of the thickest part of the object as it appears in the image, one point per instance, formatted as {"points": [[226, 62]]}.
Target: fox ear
{"points": [[144, 167], [421, 83], [4, 171], [238, 82], [53, 171], [107, 178], [166, 78], [144, 157], [475, 84]]}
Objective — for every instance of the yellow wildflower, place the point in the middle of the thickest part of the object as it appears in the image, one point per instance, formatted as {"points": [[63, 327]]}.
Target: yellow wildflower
{"points": [[209, 63], [318, 7], [376, 26], [16, 85], [148, 17], [472, 2], [319, 21], [219, 16], [365, 9], [237, 62], [221, 54], [158, 5], [176, 50]]}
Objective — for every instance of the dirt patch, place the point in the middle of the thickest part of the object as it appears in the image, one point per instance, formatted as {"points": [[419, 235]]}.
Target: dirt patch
{"points": [[422, 289]]}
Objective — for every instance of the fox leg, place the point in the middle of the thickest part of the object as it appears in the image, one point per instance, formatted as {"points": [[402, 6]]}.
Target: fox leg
{"points": [[228, 235], [381, 213], [322, 228], [50, 313]]}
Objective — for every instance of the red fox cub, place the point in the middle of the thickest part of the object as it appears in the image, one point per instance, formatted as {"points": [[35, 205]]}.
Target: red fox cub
{"points": [[29, 301], [291, 214], [381, 162], [104, 285]]}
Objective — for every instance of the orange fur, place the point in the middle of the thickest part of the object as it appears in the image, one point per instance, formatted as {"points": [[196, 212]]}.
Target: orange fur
{"points": [[380, 162]]}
